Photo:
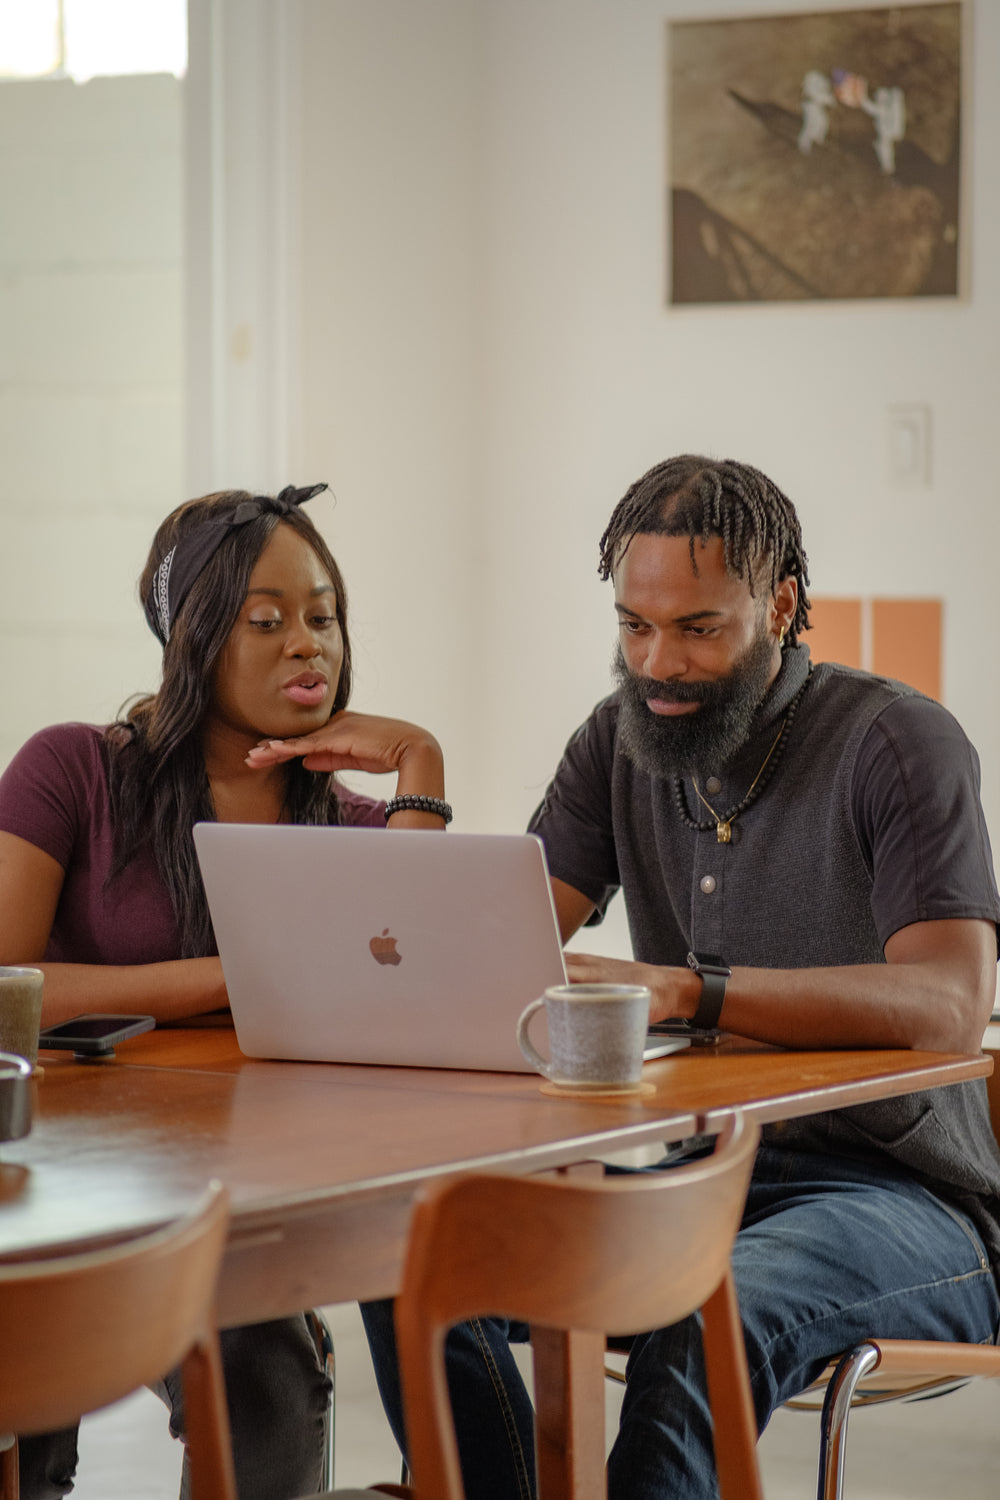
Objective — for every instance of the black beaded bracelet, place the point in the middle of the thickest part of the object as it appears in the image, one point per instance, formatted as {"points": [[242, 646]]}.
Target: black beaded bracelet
{"points": [[410, 803]]}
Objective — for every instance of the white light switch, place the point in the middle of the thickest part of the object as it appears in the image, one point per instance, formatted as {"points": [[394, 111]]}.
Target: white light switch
{"points": [[909, 434]]}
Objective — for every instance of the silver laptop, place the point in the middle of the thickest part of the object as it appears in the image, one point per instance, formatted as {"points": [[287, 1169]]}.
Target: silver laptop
{"points": [[357, 946]]}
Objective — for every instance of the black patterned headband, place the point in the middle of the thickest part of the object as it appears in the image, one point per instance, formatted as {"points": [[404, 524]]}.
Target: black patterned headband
{"points": [[187, 557]]}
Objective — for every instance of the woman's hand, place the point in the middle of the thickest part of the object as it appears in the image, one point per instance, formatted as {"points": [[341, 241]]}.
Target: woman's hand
{"points": [[674, 991], [368, 742], [354, 742]]}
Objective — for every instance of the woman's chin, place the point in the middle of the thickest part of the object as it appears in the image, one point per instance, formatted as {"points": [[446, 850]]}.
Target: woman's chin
{"points": [[288, 726]]}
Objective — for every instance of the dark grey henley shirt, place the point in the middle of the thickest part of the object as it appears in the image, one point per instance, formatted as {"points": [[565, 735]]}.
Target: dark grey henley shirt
{"points": [[870, 822]]}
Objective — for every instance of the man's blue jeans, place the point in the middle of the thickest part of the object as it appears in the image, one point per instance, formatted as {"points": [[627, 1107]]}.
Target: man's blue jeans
{"points": [[830, 1251]]}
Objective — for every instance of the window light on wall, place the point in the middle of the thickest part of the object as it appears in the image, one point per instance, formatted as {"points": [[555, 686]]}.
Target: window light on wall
{"points": [[83, 39]]}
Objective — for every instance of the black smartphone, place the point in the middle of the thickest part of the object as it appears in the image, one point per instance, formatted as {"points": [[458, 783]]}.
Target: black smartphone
{"points": [[699, 1036], [93, 1035]]}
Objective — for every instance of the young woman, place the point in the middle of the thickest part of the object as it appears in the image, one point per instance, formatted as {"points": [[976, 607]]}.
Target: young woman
{"points": [[99, 883]]}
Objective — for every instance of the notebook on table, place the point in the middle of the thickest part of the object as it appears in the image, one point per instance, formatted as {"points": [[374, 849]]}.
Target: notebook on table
{"points": [[352, 945]]}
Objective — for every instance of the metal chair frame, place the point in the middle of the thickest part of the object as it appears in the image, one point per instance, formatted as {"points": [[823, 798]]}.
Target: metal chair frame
{"points": [[323, 1339]]}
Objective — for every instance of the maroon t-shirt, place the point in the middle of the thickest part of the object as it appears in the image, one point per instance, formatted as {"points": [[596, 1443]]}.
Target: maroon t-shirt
{"points": [[54, 794]]}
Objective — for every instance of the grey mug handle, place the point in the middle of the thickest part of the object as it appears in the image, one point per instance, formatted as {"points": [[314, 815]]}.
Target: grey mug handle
{"points": [[524, 1041]]}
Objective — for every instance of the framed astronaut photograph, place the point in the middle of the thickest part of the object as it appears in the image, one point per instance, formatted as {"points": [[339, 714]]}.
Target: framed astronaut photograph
{"points": [[816, 155]]}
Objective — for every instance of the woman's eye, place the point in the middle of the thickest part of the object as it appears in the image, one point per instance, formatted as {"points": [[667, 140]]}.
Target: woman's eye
{"points": [[264, 625], [323, 622]]}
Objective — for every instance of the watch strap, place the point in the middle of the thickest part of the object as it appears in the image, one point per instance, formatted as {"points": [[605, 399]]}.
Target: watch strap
{"points": [[714, 973]]}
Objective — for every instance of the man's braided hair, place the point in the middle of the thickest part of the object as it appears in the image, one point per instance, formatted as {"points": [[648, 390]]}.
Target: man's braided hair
{"points": [[703, 497]]}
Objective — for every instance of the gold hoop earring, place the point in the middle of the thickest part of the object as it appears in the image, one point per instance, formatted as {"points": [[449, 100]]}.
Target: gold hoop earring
{"points": [[781, 637]]}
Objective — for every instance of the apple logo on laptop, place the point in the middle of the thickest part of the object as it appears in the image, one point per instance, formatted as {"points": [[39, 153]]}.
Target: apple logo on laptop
{"points": [[384, 949]]}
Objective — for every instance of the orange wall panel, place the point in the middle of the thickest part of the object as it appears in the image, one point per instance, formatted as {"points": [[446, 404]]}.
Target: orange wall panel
{"points": [[899, 638], [906, 642], [836, 631]]}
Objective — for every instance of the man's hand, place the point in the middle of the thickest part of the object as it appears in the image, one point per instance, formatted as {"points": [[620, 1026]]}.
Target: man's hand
{"points": [[934, 992], [674, 991]]}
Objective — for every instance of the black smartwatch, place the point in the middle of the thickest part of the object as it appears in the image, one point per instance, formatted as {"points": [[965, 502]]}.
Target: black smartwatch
{"points": [[713, 972]]}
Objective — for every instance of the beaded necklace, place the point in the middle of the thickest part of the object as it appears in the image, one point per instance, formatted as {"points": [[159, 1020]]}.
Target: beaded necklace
{"points": [[724, 825]]}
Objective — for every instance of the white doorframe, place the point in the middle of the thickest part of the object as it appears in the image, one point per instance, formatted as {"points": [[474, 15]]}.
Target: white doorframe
{"points": [[241, 243]]}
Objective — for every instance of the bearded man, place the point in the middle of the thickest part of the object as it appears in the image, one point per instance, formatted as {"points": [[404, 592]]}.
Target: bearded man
{"points": [[804, 861]]}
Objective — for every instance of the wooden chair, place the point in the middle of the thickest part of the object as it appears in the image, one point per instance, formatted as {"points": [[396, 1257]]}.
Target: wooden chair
{"points": [[129, 1313], [573, 1258], [576, 1259], [880, 1370]]}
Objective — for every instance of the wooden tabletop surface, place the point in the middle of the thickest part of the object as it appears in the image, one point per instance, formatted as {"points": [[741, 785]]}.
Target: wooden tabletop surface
{"points": [[322, 1160]]}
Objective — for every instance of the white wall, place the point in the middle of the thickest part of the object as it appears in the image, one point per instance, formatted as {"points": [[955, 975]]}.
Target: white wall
{"points": [[90, 387], [489, 362], [392, 364], [475, 194]]}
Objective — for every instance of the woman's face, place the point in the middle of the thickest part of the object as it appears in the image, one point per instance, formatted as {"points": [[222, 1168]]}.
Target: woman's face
{"points": [[278, 672]]}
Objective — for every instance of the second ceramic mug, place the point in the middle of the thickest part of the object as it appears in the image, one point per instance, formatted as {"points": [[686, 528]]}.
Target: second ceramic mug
{"points": [[597, 1035], [20, 1011]]}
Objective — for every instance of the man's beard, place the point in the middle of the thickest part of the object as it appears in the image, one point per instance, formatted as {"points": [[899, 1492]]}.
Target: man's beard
{"points": [[704, 739]]}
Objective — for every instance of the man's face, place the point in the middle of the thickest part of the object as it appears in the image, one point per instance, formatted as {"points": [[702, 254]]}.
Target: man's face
{"points": [[696, 654]]}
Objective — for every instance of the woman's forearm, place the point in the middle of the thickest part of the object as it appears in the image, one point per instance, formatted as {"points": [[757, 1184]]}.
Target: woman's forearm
{"points": [[168, 991]]}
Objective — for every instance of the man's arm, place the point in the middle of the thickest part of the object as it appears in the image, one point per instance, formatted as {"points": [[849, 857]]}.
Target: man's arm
{"points": [[935, 991], [572, 908]]}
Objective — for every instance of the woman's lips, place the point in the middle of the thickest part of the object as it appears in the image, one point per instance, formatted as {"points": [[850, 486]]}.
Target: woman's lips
{"points": [[668, 706], [309, 690]]}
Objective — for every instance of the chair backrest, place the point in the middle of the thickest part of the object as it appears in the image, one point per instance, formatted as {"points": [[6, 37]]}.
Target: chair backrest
{"points": [[609, 1254], [79, 1331]]}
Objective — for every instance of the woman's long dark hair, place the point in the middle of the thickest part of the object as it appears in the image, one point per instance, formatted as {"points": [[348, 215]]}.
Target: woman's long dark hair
{"points": [[156, 769]]}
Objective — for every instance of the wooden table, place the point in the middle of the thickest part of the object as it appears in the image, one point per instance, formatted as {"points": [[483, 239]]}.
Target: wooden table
{"points": [[322, 1161]]}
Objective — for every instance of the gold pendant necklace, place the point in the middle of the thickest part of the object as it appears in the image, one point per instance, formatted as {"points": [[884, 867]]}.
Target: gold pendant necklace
{"points": [[724, 826]]}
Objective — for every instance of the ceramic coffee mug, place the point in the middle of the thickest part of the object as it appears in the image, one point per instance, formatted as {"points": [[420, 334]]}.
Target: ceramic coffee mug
{"points": [[597, 1034], [20, 1011]]}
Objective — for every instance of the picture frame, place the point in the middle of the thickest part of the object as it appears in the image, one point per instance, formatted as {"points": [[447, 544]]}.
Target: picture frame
{"points": [[816, 155]]}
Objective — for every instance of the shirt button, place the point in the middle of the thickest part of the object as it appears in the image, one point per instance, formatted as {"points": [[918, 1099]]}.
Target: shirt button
{"points": [[707, 883], [713, 784]]}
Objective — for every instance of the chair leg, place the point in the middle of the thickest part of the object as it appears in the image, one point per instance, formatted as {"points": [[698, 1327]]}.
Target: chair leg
{"points": [[320, 1330], [206, 1416], [734, 1423], [852, 1368], [569, 1413]]}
